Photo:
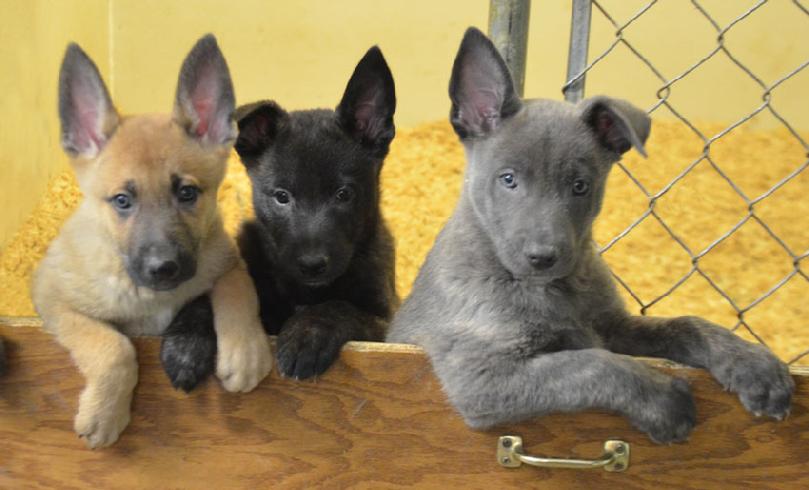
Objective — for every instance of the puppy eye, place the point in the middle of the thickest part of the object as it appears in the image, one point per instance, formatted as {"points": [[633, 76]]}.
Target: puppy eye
{"points": [[281, 197], [508, 180], [121, 201], [580, 187], [187, 194], [344, 194]]}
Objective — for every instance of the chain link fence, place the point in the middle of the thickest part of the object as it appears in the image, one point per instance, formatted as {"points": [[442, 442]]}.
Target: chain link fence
{"points": [[578, 67]]}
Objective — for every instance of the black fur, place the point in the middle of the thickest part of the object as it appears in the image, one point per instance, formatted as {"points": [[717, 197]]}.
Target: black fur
{"points": [[188, 351], [322, 261]]}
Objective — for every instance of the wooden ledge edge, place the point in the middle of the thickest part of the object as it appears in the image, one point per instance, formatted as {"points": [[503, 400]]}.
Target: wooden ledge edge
{"points": [[376, 347], [355, 346], [21, 321]]}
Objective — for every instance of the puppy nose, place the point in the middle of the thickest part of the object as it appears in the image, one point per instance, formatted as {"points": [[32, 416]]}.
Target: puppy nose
{"points": [[160, 269], [312, 265], [542, 257]]}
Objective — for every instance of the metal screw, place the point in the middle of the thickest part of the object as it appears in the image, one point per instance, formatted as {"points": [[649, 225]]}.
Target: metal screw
{"points": [[619, 449], [506, 442], [506, 460], [619, 466]]}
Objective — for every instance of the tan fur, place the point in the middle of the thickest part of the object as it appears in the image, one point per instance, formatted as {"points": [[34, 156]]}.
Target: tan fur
{"points": [[88, 301]]}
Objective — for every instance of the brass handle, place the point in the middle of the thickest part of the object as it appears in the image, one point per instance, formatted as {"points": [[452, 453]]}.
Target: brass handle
{"points": [[511, 455]]}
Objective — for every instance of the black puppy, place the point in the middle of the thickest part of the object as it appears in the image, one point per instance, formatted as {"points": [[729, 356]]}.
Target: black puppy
{"points": [[319, 252]]}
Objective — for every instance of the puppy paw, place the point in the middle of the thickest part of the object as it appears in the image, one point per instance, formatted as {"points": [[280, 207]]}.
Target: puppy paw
{"points": [[101, 417], [760, 379], [188, 350], [188, 360], [243, 360], [670, 416], [307, 346]]}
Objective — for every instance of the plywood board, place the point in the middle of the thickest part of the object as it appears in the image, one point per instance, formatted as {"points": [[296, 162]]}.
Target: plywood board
{"points": [[377, 419]]}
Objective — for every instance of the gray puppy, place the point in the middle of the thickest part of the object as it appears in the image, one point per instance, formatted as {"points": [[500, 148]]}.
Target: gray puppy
{"points": [[514, 306]]}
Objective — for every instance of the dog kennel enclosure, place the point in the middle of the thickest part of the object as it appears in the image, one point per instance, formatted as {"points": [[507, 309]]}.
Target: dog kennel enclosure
{"points": [[714, 227]]}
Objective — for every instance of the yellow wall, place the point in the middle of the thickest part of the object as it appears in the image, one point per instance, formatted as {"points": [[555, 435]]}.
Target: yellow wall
{"points": [[772, 41], [32, 40], [301, 53]]}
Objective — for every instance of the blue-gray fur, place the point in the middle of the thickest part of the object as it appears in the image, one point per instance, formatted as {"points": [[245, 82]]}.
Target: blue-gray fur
{"points": [[516, 309]]}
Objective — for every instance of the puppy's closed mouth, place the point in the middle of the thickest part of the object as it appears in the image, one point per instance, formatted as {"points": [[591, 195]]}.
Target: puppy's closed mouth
{"points": [[316, 283], [163, 287]]}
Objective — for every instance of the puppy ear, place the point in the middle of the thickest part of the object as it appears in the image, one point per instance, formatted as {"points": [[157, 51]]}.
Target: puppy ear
{"points": [[481, 88], [258, 126], [617, 124], [204, 102], [366, 110], [86, 112]]}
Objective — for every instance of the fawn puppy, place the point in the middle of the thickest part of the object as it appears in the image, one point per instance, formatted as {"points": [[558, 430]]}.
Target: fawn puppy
{"points": [[516, 309], [147, 237]]}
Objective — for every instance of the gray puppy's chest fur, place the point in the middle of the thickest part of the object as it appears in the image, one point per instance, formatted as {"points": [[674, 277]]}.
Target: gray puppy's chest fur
{"points": [[471, 295]]}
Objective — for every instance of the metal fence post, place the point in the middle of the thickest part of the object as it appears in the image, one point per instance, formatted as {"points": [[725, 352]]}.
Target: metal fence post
{"points": [[508, 30], [577, 55]]}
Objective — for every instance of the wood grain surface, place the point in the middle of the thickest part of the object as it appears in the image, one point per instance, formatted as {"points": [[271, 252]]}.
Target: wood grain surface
{"points": [[377, 419]]}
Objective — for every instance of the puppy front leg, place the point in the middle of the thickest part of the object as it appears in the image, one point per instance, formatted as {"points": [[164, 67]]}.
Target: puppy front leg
{"points": [[310, 341], [244, 357], [107, 360], [188, 350], [760, 379], [497, 389]]}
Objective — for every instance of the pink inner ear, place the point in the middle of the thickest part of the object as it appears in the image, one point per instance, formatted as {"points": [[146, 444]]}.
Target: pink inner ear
{"points": [[203, 99], [363, 115], [604, 123], [258, 129], [482, 112], [483, 99], [261, 126], [202, 108], [89, 137]]}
